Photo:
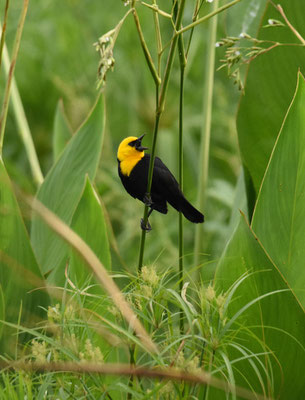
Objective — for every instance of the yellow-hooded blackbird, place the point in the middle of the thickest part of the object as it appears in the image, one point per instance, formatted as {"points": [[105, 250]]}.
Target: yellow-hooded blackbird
{"points": [[133, 171]]}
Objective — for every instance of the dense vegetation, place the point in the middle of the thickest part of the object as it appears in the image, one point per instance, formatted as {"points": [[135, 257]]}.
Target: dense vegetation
{"points": [[92, 307]]}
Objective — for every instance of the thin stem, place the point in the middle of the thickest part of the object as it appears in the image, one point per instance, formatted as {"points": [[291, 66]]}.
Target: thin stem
{"points": [[3, 29], [143, 236], [291, 27], [159, 109], [147, 55], [195, 18], [206, 131], [142, 244], [156, 8], [207, 387], [158, 35], [181, 249], [5, 104], [206, 17], [132, 364], [85, 252], [22, 123], [170, 58], [118, 369], [182, 60]]}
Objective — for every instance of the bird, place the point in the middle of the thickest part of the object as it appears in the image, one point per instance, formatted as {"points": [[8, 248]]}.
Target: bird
{"points": [[133, 167]]}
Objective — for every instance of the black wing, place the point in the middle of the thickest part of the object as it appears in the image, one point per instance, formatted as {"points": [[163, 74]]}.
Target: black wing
{"points": [[165, 182]]}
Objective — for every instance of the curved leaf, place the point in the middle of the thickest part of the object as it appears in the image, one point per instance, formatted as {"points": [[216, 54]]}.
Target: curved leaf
{"points": [[62, 132], [19, 271], [62, 188], [88, 222], [270, 85], [277, 319], [279, 216]]}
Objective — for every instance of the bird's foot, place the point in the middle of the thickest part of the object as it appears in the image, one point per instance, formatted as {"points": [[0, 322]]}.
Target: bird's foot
{"points": [[147, 200], [146, 227]]}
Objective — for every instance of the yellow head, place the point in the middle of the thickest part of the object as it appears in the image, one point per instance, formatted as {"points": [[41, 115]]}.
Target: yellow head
{"points": [[130, 152]]}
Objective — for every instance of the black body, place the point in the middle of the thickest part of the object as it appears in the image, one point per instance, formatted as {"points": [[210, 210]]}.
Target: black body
{"points": [[165, 189]]}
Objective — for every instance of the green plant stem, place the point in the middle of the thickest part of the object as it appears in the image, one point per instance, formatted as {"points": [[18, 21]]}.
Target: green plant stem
{"points": [[22, 124], [3, 30], [182, 60], [170, 57], [5, 104], [207, 387], [164, 86], [132, 364], [158, 36], [143, 236], [156, 8], [206, 17], [290, 26], [145, 49], [206, 131], [195, 18], [159, 109], [181, 249]]}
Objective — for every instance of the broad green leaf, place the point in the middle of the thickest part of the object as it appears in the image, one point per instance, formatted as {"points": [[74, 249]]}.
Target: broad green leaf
{"points": [[239, 204], [19, 271], [62, 188], [270, 85], [279, 216], [62, 132], [88, 222], [278, 317]]}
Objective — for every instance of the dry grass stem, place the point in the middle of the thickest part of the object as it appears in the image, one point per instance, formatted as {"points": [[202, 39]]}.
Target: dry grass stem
{"points": [[63, 230], [127, 370]]}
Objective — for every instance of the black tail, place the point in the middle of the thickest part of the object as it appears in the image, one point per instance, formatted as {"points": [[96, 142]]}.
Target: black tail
{"points": [[190, 212]]}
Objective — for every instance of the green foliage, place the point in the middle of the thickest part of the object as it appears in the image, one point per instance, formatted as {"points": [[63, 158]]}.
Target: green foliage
{"points": [[62, 187], [88, 221], [271, 81], [243, 326], [268, 308], [280, 200], [19, 271], [61, 133]]}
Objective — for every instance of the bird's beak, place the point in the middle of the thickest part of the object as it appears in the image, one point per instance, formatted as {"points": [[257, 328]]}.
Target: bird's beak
{"points": [[139, 146]]}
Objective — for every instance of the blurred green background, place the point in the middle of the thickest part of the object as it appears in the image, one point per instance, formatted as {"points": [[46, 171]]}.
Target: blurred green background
{"points": [[57, 60]]}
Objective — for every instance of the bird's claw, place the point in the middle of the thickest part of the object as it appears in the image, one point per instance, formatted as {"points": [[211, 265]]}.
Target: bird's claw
{"points": [[146, 227], [147, 199]]}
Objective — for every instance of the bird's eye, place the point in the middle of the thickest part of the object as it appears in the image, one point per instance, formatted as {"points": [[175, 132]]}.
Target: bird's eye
{"points": [[132, 144]]}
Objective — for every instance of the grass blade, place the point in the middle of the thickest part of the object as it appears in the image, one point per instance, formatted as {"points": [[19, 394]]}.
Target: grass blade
{"points": [[5, 104]]}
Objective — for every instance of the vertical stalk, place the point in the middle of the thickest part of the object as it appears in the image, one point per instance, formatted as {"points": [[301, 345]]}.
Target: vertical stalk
{"points": [[22, 124], [170, 58], [131, 363], [159, 111], [180, 177], [207, 387], [3, 29], [146, 52], [182, 60], [206, 131], [143, 236], [5, 104], [158, 37]]}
